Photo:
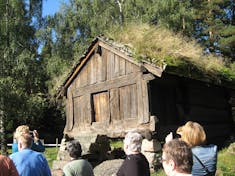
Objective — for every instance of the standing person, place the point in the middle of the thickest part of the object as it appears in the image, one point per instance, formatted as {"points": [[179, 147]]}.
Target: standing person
{"points": [[77, 166], [27, 161], [204, 156], [177, 159], [37, 144], [135, 163], [7, 167]]}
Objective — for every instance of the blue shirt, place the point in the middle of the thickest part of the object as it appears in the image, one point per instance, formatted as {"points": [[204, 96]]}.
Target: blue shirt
{"points": [[208, 156], [30, 163]]}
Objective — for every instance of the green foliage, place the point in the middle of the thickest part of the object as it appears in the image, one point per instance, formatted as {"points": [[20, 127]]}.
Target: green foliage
{"points": [[214, 28], [175, 15], [67, 34], [23, 92]]}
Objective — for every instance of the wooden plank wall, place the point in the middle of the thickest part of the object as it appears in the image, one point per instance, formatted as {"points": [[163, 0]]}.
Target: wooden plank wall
{"points": [[125, 88], [69, 111], [177, 100]]}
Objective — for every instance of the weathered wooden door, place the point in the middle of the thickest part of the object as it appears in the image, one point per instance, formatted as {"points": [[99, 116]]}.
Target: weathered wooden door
{"points": [[101, 107]]}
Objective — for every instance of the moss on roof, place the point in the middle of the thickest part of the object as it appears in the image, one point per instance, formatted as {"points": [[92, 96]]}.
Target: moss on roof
{"points": [[182, 56]]}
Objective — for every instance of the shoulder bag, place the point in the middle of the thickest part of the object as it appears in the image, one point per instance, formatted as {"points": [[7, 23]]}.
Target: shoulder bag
{"points": [[208, 173]]}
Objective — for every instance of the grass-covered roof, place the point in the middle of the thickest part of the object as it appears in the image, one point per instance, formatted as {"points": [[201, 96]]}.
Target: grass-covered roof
{"points": [[180, 55]]}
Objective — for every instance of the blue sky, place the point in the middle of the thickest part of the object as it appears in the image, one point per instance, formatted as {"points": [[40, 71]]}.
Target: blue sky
{"points": [[51, 6]]}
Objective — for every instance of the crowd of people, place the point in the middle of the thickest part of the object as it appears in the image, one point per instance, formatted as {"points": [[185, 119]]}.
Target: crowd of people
{"points": [[26, 158], [186, 155]]}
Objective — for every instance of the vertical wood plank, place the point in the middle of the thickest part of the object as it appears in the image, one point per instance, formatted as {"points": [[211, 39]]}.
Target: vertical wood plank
{"points": [[93, 70], [121, 103], [69, 111], [84, 76], [134, 104], [96, 103], [110, 65], [88, 109], [105, 110], [128, 102], [98, 68], [88, 71], [77, 111], [114, 104], [145, 98], [103, 65], [82, 108], [140, 101], [122, 66], [77, 81], [116, 66], [125, 100], [128, 67], [101, 107]]}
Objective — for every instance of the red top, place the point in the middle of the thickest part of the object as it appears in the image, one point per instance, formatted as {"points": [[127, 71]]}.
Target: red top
{"points": [[7, 167]]}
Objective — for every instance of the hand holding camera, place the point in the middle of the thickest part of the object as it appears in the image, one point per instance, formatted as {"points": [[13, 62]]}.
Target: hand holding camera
{"points": [[34, 134], [169, 137], [172, 135]]}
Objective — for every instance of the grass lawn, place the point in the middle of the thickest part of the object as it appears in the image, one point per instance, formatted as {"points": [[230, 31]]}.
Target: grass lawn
{"points": [[226, 162], [51, 154]]}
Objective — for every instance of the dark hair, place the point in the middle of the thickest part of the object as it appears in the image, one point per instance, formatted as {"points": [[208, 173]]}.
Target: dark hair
{"points": [[74, 149], [180, 153]]}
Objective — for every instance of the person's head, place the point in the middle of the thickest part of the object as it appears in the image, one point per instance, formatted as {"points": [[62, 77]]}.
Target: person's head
{"points": [[192, 133], [177, 157], [22, 129], [132, 143], [25, 141], [74, 149]]}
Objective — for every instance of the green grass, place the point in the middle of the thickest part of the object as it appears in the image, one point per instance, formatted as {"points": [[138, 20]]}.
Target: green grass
{"points": [[160, 172], [163, 47], [226, 163], [51, 154], [116, 143]]}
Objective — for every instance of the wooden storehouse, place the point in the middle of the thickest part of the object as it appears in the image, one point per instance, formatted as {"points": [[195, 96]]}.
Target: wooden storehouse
{"points": [[109, 92]]}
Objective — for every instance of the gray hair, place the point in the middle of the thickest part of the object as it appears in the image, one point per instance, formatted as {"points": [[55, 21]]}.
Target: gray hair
{"points": [[134, 141]]}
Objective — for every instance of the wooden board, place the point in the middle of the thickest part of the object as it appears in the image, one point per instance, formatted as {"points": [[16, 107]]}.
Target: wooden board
{"points": [[114, 104], [69, 112], [101, 107]]}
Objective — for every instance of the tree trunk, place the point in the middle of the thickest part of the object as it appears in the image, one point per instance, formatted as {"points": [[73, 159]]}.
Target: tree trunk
{"points": [[2, 118], [121, 16], [2, 134]]}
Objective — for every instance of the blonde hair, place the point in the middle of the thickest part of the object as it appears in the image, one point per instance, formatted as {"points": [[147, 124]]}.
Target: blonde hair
{"points": [[22, 129], [192, 133]]}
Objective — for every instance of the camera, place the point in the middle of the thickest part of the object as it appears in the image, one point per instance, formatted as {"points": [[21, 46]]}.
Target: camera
{"points": [[31, 133], [176, 135]]}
